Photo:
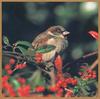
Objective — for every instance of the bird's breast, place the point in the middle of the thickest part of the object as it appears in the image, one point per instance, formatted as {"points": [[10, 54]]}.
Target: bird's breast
{"points": [[57, 43]]}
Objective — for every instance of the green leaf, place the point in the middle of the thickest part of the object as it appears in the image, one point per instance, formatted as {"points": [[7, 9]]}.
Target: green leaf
{"points": [[30, 52], [22, 49], [5, 40], [15, 83], [45, 49], [23, 43], [82, 70], [82, 88]]}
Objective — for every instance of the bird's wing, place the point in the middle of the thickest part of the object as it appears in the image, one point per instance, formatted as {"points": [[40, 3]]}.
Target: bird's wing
{"points": [[40, 40]]}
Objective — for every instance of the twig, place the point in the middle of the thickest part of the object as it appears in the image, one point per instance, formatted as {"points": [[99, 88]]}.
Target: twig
{"points": [[90, 54], [68, 90], [82, 58], [95, 63], [15, 53], [22, 57]]}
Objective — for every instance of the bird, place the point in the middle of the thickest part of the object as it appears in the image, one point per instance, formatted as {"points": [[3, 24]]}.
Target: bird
{"points": [[55, 36]]}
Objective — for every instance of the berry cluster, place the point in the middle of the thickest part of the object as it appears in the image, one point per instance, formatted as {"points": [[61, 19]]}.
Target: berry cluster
{"points": [[12, 62], [7, 86], [62, 85], [40, 89], [24, 90], [21, 80], [88, 74], [20, 66], [8, 66]]}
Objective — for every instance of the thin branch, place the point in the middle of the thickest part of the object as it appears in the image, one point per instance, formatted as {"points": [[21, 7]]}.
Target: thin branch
{"points": [[68, 90], [95, 63], [82, 58], [90, 54], [22, 57], [15, 53]]}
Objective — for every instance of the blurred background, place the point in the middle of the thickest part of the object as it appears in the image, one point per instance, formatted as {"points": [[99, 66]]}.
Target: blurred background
{"points": [[24, 21]]}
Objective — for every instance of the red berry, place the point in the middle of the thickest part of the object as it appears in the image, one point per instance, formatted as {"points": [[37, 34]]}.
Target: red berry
{"points": [[21, 80], [39, 89], [89, 71], [24, 65], [94, 76], [9, 72], [18, 66], [60, 82], [67, 80], [74, 82], [60, 92], [89, 76], [21, 66], [58, 85], [53, 89], [64, 85], [27, 88], [24, 90], [7, 67], [12, 61], [70, 80], [94, 73], [5, 78], [9, 89], [38, 57]]}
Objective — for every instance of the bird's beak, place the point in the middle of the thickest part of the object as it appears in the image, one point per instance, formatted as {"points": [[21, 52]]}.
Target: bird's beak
{"points": [[65, 33]]}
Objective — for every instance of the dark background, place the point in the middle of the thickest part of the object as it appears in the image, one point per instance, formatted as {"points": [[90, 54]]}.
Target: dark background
{"points": [[24, 21]]}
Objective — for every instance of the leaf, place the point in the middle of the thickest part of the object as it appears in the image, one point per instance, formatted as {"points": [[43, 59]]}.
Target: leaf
{"points": [[15, 83], [22, 49], [30, 52], [82, 70], [5, 40], [23, 43], [45, 49], [82, 88]]}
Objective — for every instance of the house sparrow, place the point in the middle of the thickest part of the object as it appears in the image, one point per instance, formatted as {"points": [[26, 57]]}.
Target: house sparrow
{"points": [[55, 36]]}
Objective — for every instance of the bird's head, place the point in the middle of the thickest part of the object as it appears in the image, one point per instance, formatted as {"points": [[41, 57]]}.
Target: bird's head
{"points": [[57, 31]]}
